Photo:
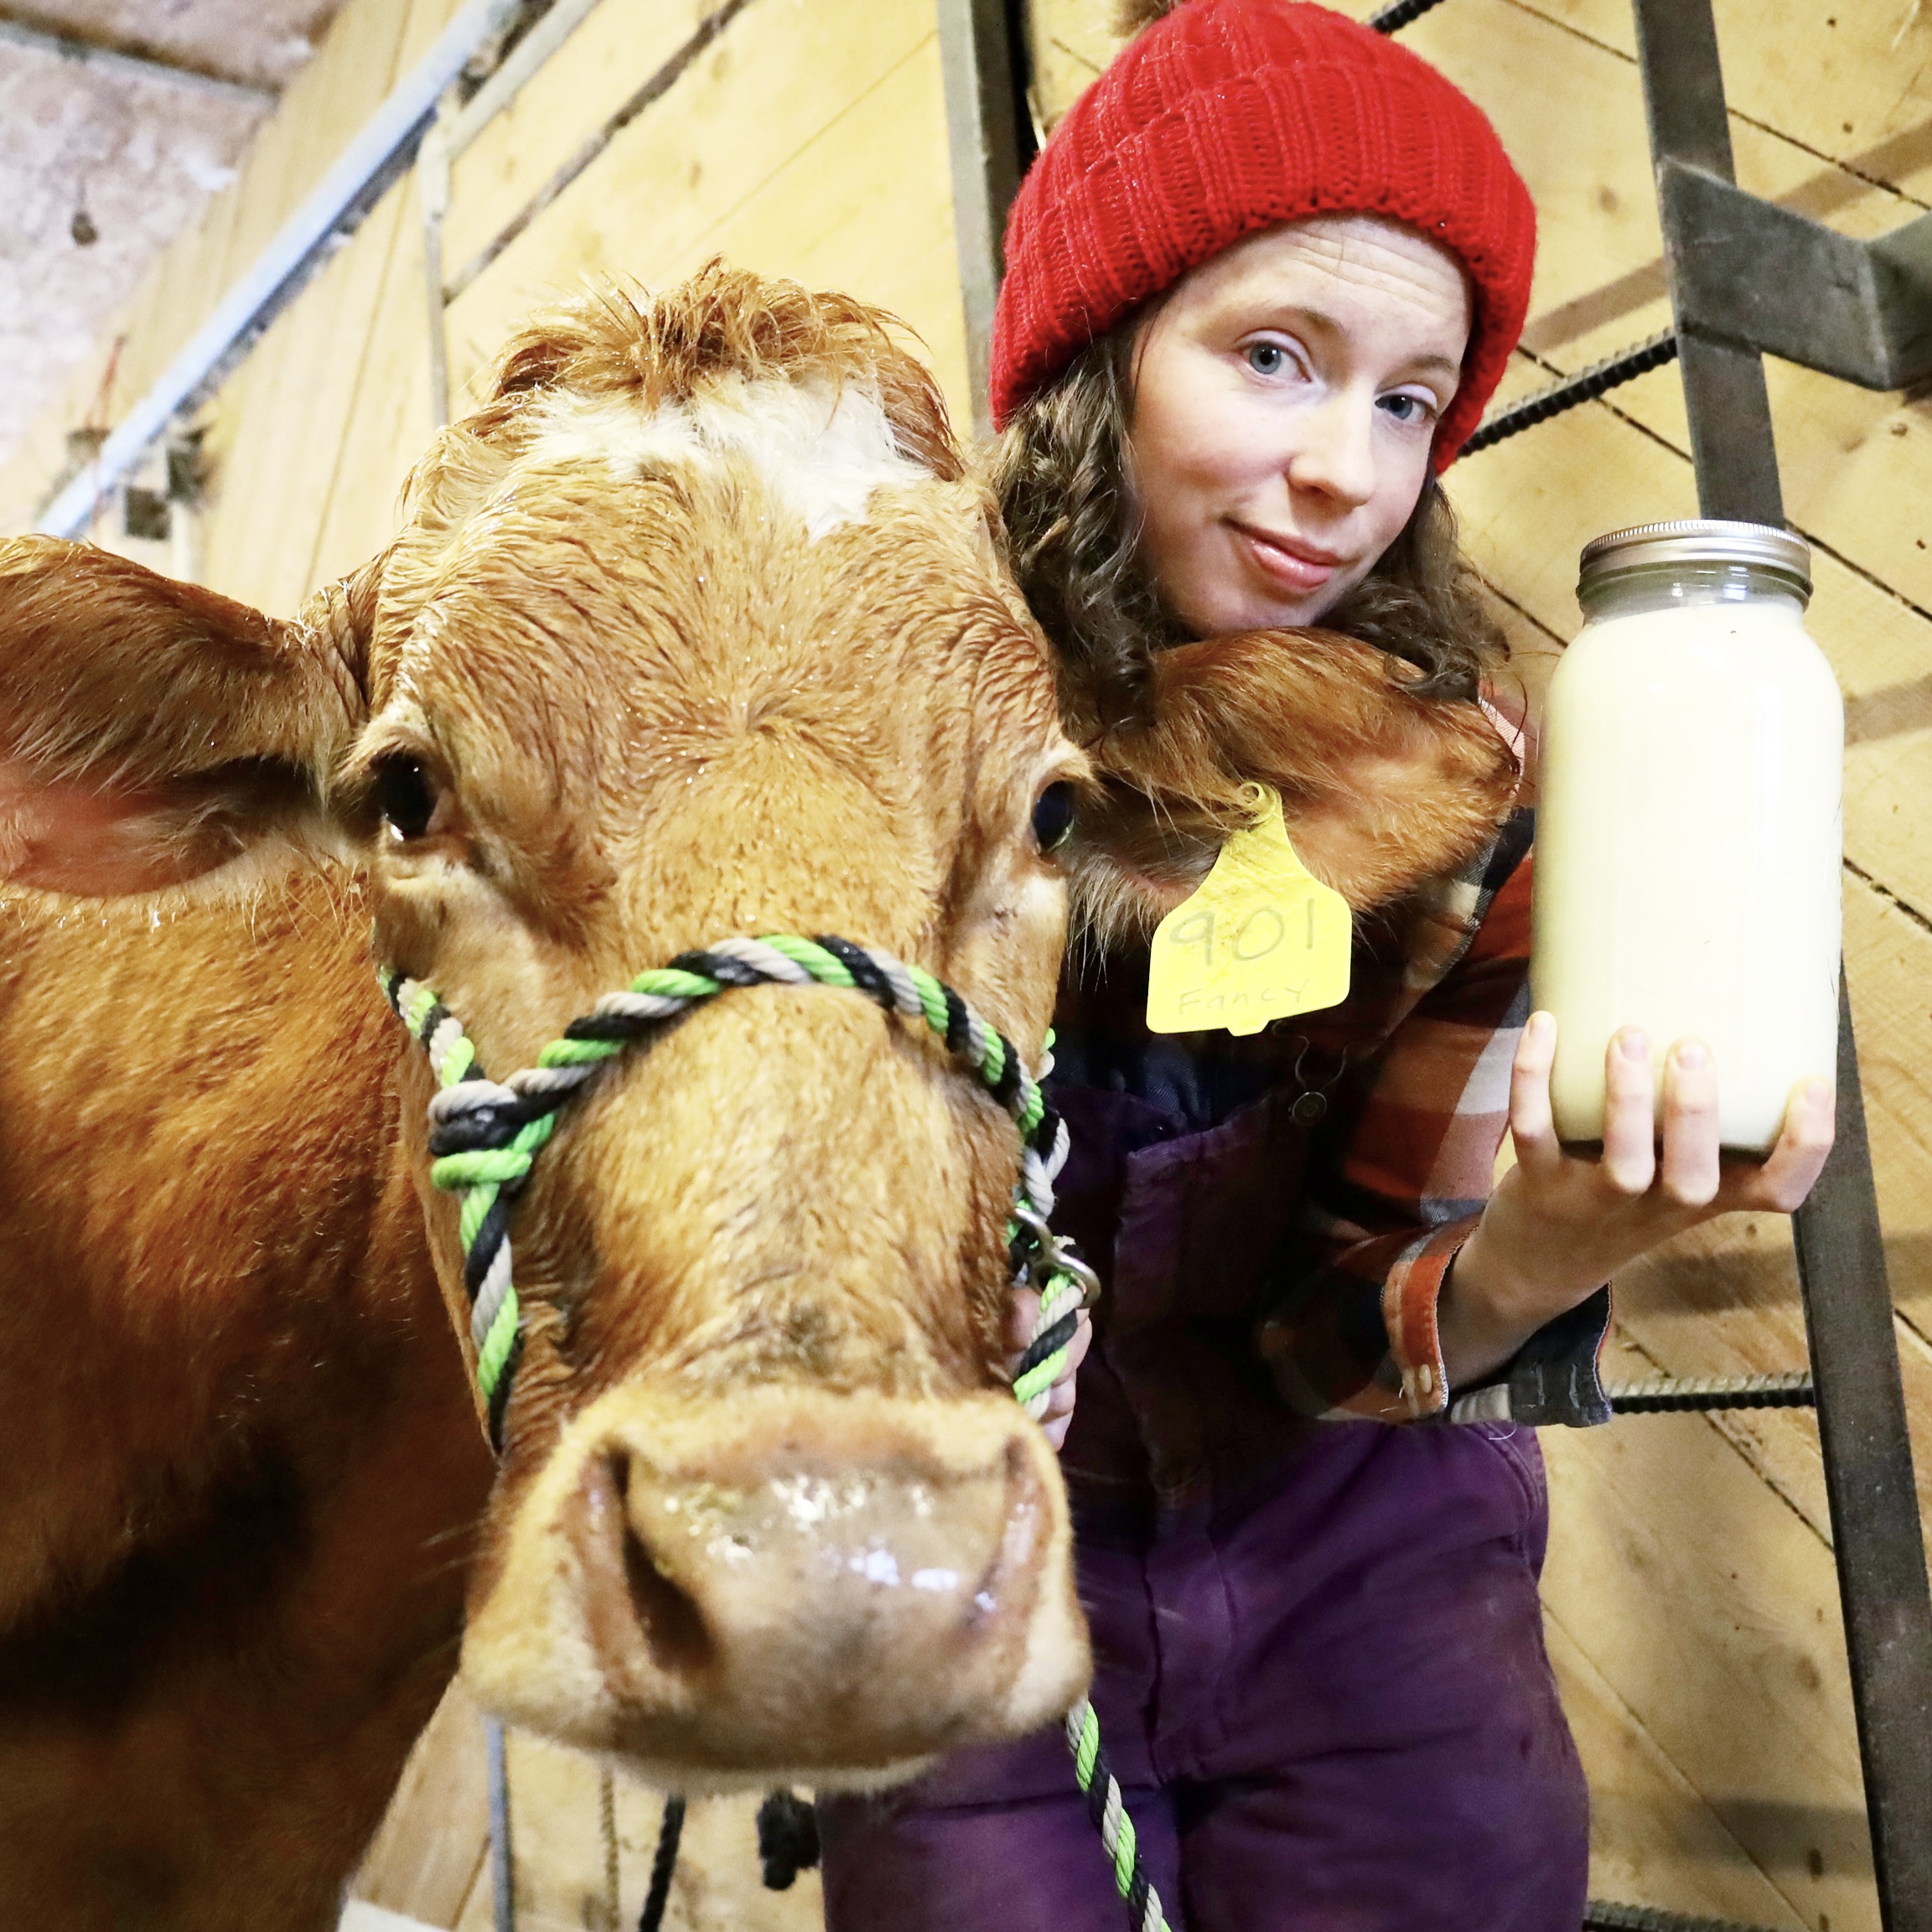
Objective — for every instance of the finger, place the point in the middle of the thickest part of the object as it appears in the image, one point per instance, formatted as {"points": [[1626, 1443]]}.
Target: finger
{"points": [[1060, 1412], [1692, 1168], [1532, 1125], [1811, 1124], [1630, 1112]]}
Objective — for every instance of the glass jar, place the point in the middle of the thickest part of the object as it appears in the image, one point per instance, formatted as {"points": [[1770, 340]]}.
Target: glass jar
{"points": [[1690, 823]]}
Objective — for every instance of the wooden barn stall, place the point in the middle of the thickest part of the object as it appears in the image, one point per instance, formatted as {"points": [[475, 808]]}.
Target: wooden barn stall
{"points": [[1692, 1608]]}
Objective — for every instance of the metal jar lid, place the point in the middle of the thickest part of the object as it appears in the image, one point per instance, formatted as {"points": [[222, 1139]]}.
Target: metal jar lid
{"points": [[1697, 540]]}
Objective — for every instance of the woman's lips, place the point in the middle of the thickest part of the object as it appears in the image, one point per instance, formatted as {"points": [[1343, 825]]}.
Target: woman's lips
{"points": [[1295, 567]]}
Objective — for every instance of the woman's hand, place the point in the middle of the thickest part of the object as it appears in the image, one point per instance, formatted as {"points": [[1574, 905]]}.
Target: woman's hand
{"points": [[1024, 1312], [1560, 1224]]}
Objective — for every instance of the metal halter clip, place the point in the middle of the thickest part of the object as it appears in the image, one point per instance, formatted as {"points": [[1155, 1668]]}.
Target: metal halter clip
{"points": [[1053, 1255]]}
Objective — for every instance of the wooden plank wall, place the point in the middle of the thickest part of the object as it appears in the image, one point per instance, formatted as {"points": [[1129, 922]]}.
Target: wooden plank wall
{"points": [[808, 141], [1691, 1603], [366, 46], [1692, 1611], [430, 1860]]}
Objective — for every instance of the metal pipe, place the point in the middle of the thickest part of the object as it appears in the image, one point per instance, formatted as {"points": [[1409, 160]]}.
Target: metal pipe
{"points": [[989, 152], [524, 59], [432, 192], [457, 125], [502, 1858], [126, 64], [372, 160]]}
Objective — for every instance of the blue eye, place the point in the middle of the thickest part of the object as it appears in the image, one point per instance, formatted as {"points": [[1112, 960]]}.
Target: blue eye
{"points": [[1405, 408], [1266, 357], [1054, 814]]}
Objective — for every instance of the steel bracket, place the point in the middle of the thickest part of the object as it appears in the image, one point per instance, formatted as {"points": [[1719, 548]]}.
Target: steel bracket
{"points": [[1751, 275]]}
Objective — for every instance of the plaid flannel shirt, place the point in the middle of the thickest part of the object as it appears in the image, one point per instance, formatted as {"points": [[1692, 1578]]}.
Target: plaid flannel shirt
{"points": [[1404, 1160]]}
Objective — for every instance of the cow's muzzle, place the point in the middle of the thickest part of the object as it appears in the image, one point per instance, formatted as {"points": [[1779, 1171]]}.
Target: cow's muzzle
{"points": [[786, 1583]]}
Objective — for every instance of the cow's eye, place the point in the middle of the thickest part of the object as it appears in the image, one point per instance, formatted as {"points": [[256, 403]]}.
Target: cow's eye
{"points": [[1054, 814], [408, 797]]}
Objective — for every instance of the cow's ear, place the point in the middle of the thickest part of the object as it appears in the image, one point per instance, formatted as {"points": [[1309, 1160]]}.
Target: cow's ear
{"points": [[151, 730]]}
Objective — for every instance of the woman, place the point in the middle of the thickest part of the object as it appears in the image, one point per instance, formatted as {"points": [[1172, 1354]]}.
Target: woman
{"points": [[1260, 286]]}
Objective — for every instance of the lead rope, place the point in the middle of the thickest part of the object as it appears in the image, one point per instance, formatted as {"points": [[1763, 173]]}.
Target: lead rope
{"points": [[485, 1135]]}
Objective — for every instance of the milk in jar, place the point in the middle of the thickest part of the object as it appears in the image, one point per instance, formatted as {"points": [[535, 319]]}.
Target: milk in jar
{"points": [[1690, 823]]}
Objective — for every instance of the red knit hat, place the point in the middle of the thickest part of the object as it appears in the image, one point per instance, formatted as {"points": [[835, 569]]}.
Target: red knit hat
{"points": [[1230, 115]]}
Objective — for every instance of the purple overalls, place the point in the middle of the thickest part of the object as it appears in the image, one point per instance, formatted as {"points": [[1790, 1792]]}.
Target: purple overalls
{"points": [[1320, 1672]]}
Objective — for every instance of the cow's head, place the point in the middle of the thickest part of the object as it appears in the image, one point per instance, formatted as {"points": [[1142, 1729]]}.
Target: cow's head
{"points": [[695, 630]]}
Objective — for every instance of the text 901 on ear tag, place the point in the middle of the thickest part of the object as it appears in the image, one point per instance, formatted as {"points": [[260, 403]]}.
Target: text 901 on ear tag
{"points": [[1260, 939]]}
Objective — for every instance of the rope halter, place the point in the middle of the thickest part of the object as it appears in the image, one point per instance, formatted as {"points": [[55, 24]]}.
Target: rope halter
{"points": [[485, 1134]]}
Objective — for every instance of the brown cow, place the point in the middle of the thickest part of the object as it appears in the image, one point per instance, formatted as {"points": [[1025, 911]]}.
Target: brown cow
{"points": [[694, 631]]}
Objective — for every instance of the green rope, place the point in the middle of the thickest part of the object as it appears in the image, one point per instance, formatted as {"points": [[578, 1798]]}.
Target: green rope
{"points": [[486, 1135]]}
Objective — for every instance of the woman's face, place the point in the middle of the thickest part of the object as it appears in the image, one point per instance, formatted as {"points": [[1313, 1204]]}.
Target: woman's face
{"points": [[1285, 398]]}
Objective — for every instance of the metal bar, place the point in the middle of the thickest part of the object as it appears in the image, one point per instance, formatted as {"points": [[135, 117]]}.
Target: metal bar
{"points": [[457, 124], [1902, 280], [1600, 1915], [1684, 84], [1869, 1480], [502, 1858], [525, 61], [130, 64], [1752, 274], [593, 144], [432, 192], [990, 145], [1670, 1394], [1730, 413], [1876, 1534], [1393, 19], [373, 158], [1731, 441], [1586, 386]]}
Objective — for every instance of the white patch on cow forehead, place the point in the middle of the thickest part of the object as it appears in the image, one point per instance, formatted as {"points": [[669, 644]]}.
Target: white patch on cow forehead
{"points": [[821, 450]]}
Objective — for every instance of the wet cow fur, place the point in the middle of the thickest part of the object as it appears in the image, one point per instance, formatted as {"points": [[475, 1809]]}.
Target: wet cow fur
{"points": [[695, 629]]}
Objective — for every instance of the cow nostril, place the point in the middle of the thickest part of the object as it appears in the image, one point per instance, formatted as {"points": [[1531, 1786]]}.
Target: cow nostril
{"points": [[673, 1626]]}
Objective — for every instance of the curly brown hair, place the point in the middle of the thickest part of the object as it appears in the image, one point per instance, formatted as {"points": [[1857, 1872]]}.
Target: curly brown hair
{"points": [[1073, 531]]}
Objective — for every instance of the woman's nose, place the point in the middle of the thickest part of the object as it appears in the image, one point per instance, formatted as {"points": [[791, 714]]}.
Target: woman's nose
{"points": [[1336, 455]]}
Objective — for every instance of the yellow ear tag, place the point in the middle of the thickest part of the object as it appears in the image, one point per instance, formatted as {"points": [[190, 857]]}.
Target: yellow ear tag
{"points": [[1261, 938]]}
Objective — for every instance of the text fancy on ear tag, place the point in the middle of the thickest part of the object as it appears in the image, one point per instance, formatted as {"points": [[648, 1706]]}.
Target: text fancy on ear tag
{"points": [[1260, 939]]}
